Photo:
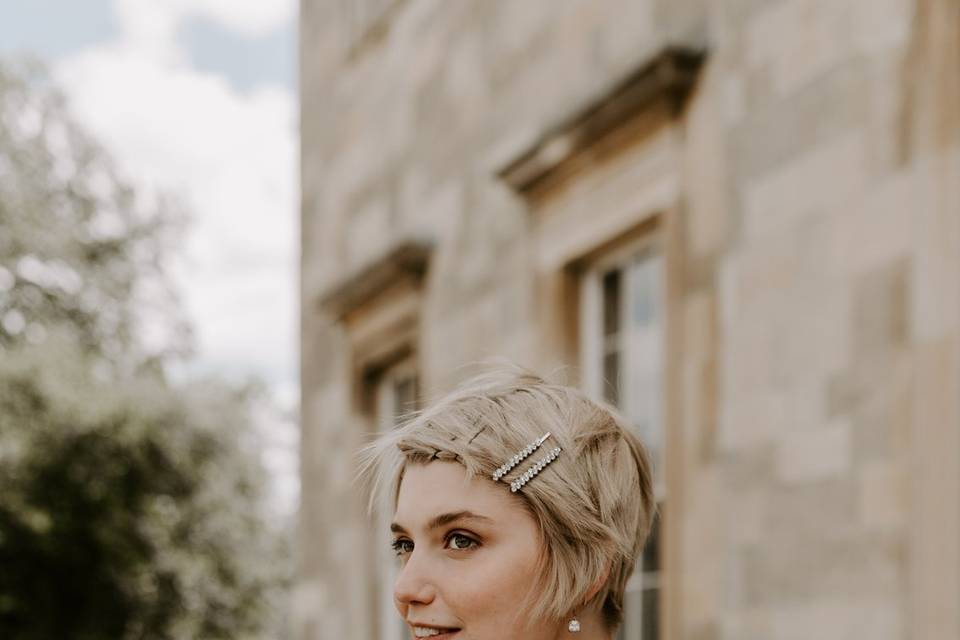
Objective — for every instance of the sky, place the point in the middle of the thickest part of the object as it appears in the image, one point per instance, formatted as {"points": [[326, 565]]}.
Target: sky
{"points": [[197, 98]]}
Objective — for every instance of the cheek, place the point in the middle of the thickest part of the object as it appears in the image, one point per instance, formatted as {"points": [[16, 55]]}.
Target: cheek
{"points": [[492, 595]]}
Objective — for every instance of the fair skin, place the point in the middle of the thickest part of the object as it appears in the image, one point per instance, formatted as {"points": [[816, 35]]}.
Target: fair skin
{"points": [[468, 551]]}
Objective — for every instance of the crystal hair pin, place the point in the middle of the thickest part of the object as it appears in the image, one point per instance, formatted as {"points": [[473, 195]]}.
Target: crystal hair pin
{"points": [[519, 457], [536, 468], [522, 455]]}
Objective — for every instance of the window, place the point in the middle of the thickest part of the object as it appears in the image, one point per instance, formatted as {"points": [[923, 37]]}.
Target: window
{"points": [[396, 396], [622, 346]]}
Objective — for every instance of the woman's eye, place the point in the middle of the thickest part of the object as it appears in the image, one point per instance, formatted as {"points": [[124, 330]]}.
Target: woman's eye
{"points": [[460, 542], [402, 546]]}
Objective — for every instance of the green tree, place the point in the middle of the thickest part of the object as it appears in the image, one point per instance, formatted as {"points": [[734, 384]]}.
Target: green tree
{"points": [[81, 253], [130, 507]]}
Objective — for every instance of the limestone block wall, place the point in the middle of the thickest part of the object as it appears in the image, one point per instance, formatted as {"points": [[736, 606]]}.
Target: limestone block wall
{"points": [[814, 387]]}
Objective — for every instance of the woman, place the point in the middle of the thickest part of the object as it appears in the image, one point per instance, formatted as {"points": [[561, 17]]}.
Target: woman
{"points": [[519, 507]]}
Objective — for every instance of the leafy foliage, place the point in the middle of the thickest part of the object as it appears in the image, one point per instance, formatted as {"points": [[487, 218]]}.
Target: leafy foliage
{"points": [[129, 507], [126, 510], [80, 252]]}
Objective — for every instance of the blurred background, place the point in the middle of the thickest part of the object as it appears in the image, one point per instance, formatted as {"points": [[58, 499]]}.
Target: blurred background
{"points": [[148, 350], [737, 220]]}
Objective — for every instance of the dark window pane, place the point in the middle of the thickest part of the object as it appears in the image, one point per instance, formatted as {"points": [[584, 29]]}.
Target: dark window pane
{"points": [[611, 377], [651, 551], [611, 302], [650, 627], [405, 396]]}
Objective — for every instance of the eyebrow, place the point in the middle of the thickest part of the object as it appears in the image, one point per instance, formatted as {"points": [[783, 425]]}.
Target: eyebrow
{"points": [[444, 519]]}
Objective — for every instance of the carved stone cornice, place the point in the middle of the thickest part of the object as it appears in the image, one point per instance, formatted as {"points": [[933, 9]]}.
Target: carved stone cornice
{"points": [[405, 263], [667, 76]]}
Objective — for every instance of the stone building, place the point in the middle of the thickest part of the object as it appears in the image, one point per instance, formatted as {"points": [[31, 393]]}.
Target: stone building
{"points": [[737, 219]]}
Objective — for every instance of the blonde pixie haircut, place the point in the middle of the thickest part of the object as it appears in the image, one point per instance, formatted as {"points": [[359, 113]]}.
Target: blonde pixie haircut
{"points": [[594, 504]]}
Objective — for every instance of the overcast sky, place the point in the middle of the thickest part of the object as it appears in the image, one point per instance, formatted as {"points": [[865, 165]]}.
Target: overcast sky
{"points": [[197, 98]]}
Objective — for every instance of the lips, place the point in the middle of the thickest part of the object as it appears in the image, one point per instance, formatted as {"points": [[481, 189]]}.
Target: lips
{"points": [[434, 633]]}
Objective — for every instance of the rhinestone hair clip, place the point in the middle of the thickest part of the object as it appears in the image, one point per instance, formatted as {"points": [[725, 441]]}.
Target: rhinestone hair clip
{"points": [[522, 455], [530, 473]]}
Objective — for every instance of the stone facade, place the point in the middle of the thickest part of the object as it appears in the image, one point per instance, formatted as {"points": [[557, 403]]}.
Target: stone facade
{"points": [[464, 162]]}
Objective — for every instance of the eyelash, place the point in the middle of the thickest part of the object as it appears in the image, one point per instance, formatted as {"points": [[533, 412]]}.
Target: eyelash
{"points": [[400, 545], [473, 542]]}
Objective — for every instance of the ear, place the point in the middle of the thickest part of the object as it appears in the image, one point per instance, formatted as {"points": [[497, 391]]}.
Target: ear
{"points": [[597, 585]]}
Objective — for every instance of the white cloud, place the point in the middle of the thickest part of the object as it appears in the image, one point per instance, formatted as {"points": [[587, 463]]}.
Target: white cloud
{"points": [[230, 156], [149, 28], [250, 17], [154, 22], [232, 159]]}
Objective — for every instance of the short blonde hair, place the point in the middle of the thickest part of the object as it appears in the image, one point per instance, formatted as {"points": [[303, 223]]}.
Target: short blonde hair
{"points": [[594, 504]]}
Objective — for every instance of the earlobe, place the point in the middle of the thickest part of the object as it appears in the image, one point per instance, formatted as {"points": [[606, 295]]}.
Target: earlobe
{"points": [[597, 585], [573, 623]]}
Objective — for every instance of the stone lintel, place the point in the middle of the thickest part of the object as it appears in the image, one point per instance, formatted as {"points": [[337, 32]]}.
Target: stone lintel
{"points": [[667, 76], [406, 262]]}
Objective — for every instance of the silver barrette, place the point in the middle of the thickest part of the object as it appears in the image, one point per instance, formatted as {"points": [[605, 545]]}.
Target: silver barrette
{"points": [[520, 457], [532, 471]]}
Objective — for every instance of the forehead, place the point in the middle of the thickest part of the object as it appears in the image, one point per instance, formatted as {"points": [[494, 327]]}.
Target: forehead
{"points": [[444, 487]]}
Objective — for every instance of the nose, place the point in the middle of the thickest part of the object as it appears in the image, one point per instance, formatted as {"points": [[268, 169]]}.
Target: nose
{"points": [[414, 584]]}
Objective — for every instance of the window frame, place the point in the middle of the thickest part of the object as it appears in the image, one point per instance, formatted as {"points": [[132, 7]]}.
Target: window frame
{"points": [[386, 415], [592, 352]]}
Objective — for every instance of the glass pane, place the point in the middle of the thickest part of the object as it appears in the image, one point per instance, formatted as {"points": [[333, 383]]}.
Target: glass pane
{"points": [[611, 302], [645, 289], [405, 396], [640, 369], [398, 391], [611, 378], [650, 625], [632, 616], [643, 353], [651, 561]]}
